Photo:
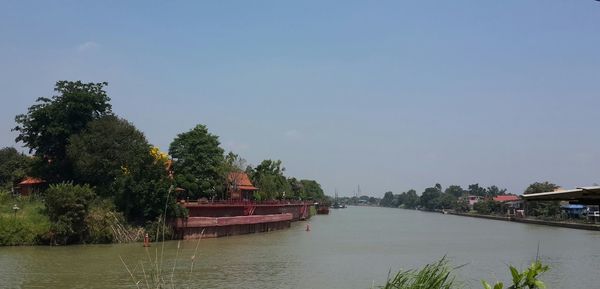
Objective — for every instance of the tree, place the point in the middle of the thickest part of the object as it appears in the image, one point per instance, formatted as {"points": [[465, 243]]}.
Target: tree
{"points": [[455, 190], [446, 201], [476, 190], [410, 199], [311, 190], [269, 178], [143, 194], [48, 124], [67, 206], [387, 200], [103, 149], [495, 191], [541, 208], [13, 166], [539, 187], [429, 198], [198, 162]]}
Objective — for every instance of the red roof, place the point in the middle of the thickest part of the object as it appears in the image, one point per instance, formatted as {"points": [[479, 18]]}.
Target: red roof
{"points": [[31, 181], [241, 181], [506, 198]]}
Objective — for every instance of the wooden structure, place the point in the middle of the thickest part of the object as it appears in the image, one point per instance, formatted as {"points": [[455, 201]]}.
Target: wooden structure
{"points": [[239, 186], [30, 185]]}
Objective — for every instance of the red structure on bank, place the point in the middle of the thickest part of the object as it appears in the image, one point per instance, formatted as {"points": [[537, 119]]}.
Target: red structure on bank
{"points": [[239, 214], [30, 185]]}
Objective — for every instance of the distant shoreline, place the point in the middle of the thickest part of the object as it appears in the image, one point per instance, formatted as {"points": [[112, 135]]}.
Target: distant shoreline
{"points": [[580, 226]]}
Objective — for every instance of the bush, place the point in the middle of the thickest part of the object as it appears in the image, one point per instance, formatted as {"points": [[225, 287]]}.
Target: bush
{"points": [[67, 207]]}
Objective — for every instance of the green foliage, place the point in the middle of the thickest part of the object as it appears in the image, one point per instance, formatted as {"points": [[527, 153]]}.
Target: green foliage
{"points": [[476, 190], [429, 198], [101, 152], [100, 218], [539, 187], [198, 162], [437, 275], [456, 191], [29, 226], [13, 166], [487, 207], [494, 191], [268, 177], [461, 205], [542, 209], [311, 190], [387, 200], [527, 279], [409, 199], [48, 124], [67, 206], [143, 194]]}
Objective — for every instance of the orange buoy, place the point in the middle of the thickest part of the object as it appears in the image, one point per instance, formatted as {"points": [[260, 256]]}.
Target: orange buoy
{"points": [[146, 240]]}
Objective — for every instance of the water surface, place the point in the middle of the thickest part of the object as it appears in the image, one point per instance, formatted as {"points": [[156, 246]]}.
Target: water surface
{"points": [[350, 248]]}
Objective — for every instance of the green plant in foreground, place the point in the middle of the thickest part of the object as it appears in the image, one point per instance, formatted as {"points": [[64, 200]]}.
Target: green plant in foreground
{"points": [[528, 279], [432, 276]]}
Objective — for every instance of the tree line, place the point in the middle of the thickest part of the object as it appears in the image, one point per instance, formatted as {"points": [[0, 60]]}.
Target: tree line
{"points": [[454, 197], [91, 156]]}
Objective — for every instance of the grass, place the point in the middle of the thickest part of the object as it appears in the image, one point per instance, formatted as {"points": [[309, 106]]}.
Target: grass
{"points": [[29, 226], [437, 275]]}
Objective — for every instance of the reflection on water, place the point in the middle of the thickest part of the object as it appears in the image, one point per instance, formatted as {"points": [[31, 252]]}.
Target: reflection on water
{"points": [[350, 248]]}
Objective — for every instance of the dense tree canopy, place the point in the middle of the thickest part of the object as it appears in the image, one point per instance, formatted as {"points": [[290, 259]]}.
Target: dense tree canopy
{"points": [[104, 149], [197, 162], [47, 126], [387, 200], [268, 177], [13, 166], [456, 191]]}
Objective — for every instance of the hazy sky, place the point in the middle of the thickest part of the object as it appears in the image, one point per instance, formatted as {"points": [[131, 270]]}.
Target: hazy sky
{"points": [[390, 95]]}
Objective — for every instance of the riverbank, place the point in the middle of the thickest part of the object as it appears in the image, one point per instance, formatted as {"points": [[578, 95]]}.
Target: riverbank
{"points": [[571, 225]]}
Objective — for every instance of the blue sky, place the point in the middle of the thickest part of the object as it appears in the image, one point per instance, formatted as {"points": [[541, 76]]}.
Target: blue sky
{"points": [[390, 95]]}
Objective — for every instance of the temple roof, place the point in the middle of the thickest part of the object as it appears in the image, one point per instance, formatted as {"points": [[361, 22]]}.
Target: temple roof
{"points": [[240, 180]]}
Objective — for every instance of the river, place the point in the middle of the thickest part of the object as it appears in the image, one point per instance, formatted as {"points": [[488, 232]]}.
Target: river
{"points": [[350, 248]]}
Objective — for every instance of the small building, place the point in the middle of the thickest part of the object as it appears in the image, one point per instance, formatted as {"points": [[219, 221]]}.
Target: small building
{"points": [[30, 185], [239, 186], [472, 200]]}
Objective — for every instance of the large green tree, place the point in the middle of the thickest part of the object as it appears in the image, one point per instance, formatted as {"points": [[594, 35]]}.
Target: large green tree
{"points": [[268, 177], [47, 126], [311, 190], [455, 190], [429, 198], [13, 166], [198, 162], [387, 200], [106, 147]]}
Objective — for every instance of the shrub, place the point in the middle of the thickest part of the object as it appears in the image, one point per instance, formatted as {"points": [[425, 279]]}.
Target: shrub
{"points": [[67, 207]]}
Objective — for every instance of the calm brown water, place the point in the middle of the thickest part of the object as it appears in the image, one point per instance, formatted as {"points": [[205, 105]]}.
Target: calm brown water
{"points": [[350, 248]]}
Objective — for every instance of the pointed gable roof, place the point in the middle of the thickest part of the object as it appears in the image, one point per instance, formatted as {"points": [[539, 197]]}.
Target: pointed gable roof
{"points": [[241, 181]]}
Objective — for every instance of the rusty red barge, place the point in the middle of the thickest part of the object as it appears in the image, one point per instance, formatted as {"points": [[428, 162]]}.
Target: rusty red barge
{"points": [[227, 218]]}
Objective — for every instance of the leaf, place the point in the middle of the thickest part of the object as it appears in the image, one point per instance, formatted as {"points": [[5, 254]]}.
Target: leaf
{"points": [[539, 284], [499, 285], [486, 285], [515, 275]]}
